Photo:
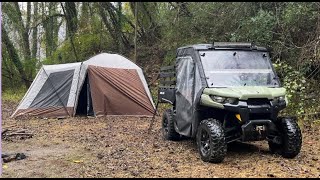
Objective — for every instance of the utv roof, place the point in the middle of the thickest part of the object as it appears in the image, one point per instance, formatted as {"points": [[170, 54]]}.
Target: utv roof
{"points": [[226, 45]]}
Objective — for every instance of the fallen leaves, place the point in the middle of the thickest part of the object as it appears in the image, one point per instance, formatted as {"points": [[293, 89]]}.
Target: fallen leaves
{"points": [[121, 147]]}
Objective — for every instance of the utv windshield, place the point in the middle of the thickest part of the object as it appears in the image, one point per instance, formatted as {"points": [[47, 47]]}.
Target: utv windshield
{"points": [[226, 68]]}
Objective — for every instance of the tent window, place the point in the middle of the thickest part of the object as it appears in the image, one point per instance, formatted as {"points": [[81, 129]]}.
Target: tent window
{"points": [[55, 91]]}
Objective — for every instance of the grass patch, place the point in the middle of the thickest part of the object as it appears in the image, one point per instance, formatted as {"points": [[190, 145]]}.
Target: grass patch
{"points": [[13, 95]]}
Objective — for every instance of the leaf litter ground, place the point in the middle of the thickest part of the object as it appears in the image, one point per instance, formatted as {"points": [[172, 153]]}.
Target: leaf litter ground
{"points": [[122, 147]]}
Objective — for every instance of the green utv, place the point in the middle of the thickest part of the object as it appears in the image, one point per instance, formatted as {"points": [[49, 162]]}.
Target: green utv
{"points": [[225, 92]]}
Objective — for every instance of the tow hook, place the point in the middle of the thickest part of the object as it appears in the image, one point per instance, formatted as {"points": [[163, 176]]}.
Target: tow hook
{"points": [[260, 129]]}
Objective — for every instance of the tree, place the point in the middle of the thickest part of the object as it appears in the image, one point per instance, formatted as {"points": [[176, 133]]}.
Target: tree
{"points": [[112, 18], [71, 16], [13, 55], [51, 27], [25, 66], [35, 32]]}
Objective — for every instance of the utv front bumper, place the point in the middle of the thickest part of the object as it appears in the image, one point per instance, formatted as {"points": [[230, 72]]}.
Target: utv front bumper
{"points": [[254, 109], [255, 130], [258, 117]]}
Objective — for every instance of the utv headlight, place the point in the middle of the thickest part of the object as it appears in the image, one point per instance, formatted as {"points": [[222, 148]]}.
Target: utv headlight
{"points": [[218, 99], [278, 100], [231, 100]]}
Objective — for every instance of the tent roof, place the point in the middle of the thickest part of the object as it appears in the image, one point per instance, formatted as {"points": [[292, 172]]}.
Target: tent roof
{"points": [[111, 61]]}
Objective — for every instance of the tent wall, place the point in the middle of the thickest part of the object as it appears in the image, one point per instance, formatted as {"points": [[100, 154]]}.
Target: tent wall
{"points": [[56, 89], [117, 91], [50, 94], [111, 61]]}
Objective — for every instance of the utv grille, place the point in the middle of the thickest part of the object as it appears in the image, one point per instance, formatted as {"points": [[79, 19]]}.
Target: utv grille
{"points": [[260, 116], [258, 101]]}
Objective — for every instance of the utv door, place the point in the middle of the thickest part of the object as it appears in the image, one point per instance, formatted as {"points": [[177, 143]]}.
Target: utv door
{"points": [[185, 69]]}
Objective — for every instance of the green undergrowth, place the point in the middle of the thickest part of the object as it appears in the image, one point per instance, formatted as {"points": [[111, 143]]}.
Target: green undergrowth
{"points": [[13, 95]]}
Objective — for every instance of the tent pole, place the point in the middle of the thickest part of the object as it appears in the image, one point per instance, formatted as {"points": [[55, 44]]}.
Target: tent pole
{"points": [[152, 120]]}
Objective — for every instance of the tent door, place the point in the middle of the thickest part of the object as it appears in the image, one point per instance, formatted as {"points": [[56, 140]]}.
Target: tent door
{"points": [[85, 101]]}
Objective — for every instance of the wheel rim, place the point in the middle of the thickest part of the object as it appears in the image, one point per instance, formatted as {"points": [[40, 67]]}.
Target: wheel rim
{"points": [[204, 142], [165, 126]]}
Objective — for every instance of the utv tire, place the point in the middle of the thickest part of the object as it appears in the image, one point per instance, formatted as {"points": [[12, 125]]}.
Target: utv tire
{"points": [[168, 131], [211, 141], [291, 139]]}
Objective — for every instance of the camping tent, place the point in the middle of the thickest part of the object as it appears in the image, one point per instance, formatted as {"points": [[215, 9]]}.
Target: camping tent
{"points": [[106, 84]]}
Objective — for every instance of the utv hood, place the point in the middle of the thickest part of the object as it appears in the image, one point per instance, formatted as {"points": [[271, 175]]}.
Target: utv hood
{"points": [[245, 92]]}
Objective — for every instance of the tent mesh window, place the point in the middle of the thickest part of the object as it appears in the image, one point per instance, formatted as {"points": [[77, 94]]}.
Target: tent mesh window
{"points": [[55, 91]]}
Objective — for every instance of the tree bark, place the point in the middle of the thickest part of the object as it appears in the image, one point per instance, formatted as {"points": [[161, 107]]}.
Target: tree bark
{"points": [[71, 18], [114, 23], [28, 16], [102, 7], [34, 31], [70, 26], [139, 24], [85, 16], [14, 56], [51, 27], [147, 23], [24, 33]]}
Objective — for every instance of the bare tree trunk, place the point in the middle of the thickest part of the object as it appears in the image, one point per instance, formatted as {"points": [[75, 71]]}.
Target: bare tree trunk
{"points": [[85, 16], [28, 16], [135, 32], [146, 22], [71, 18], [118, 27], [114, 23], [14, 56], [71, 25], [34, 31], [102, 8], [139, 24], [51, 27], [24, 33]]}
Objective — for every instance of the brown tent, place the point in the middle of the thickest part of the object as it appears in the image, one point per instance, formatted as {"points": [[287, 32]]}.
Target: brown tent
{"points": [[106, 84]]}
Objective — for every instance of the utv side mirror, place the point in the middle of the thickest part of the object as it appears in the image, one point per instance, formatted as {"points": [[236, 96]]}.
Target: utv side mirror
{"points": [[269, 49]]}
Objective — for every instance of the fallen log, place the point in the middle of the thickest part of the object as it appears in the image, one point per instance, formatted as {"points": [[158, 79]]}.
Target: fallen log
{"points": [[4, 131], [19, 134], [13, 156], [23, 133]]}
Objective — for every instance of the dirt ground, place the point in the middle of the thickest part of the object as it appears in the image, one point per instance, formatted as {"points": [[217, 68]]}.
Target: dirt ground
{"points": [[122, 147]]}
